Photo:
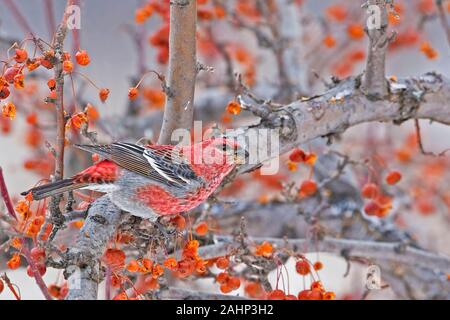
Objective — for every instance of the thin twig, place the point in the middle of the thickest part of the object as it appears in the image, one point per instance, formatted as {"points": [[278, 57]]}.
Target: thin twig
{"points": [[5, 196]]}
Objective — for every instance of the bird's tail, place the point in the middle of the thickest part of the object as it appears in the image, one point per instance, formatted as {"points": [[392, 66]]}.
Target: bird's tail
{"points": [[53, 188]]}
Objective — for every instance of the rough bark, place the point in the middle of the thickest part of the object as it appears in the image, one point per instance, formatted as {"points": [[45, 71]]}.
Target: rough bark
{"points": [[84, 272], [179, 108], [375, 79]]}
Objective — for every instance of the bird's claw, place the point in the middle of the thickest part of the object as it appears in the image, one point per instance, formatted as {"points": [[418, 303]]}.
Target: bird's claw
{"points": [[163, 229]]}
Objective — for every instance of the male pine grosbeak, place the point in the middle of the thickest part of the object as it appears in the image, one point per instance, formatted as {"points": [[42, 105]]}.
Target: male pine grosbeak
{"points": [[154, 180]]}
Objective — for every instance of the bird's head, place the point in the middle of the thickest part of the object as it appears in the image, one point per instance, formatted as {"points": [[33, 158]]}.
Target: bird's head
{"points": [[229, 149]]}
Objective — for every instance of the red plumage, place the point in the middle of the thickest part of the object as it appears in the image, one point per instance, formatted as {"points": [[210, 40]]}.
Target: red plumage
{"points": [[153, 180]]}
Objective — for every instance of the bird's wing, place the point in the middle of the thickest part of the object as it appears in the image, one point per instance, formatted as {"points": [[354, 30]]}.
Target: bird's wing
{"points": [[162, 164]]}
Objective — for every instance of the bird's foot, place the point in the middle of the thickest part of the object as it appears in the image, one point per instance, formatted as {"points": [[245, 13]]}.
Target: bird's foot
{"points": [[166, 232]]}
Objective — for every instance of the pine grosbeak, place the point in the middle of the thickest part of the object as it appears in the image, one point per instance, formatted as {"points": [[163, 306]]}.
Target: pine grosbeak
{"points": [[154, 180]]}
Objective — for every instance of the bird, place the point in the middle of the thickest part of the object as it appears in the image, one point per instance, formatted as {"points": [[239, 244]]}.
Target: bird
{"points": [[154, 180]]}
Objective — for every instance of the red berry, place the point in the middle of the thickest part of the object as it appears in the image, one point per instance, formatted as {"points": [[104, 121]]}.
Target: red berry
{"points": [[276, 295], [82, 58], [21, 55], [42, 269], [37, 254], [372, 208], [302, 267], [133, 93], [370, 191], [222, 263], [308, 188], [393, 177], [297, 155]]}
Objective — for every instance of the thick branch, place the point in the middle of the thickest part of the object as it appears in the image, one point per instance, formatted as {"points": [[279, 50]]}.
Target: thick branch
{"points": [[396, 252], [443, 19], [83, 269], [184, 294], [375, 78], [346, 105], [182, 69]]}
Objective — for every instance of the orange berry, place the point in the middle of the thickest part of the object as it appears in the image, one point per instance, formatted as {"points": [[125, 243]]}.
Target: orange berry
{"points": [[82, 58], [329, 41], [329, 296], [318, 266], [234, 283], [14, 262], [315, 294], [91, 112], [302, 267], [222, 277], [393, 177], [254, 290], [68, 66], [308, 188], [202, 228], [32, 64], [171, 264], [32, 118], [103, 94], [316, 285], [9, 110], [4, 93], [133, 266], [290, 297], [276, 295], [292, 166], [234, 108], [297, 155], [115, 259], [21, 55], [225, 288], [304, 295], [310, 158], [370, 191], [337, 13], [147, 265], [133, 93], [372, 208], [222, 263], [157, 271], [429, 51], [22, 207], [265, 249], [355, 31], [19, 81], [179, 222]]}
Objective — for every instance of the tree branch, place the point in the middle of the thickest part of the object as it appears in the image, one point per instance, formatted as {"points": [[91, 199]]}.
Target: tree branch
{"points": [[83, 268], [375, 79], [396, 252], [179, 108], [443, 19], [346, 105]]}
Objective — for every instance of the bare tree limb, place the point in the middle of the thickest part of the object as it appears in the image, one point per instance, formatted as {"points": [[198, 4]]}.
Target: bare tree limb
{"points": [[184, 294], [375, 79], [443, 19], [346, 105], [83, 270], [179, 110]]}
